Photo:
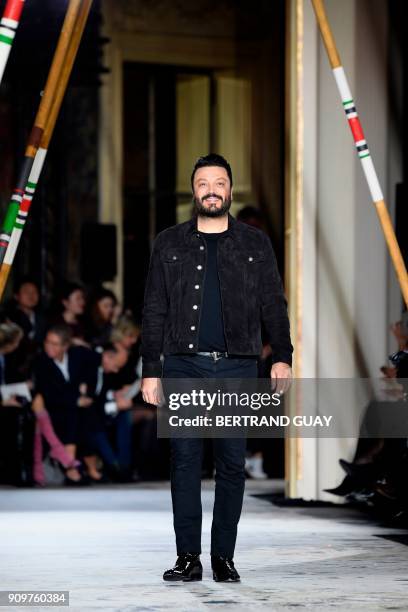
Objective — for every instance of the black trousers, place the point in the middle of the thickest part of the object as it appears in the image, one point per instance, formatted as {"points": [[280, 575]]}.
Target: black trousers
{"points": [[186, 462]]}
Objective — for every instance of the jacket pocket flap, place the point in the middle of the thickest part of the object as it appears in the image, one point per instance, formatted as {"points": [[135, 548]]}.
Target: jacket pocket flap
{"points": [[253, 256], [173, 255]]}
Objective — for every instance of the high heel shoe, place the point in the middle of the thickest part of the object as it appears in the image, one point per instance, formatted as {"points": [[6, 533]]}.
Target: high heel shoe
{"points": [[347, 486]]}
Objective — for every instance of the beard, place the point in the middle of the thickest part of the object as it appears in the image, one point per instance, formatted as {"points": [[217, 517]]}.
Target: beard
{"points": [[213, 210]]}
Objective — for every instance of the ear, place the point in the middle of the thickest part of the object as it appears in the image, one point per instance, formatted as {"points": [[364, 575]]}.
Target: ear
{"points": [[232, 191]]}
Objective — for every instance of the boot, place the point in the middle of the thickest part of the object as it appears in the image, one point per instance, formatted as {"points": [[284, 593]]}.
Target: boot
{"points": [[57, 451], [224, 569], [187, 568]]}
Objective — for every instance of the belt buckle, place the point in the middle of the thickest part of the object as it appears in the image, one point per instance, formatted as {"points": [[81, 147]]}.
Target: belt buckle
{"points": [[215, 355]]}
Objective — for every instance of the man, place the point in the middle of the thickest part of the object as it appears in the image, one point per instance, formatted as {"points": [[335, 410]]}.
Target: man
{"points": [[211, 282], [111, 410], [25, 312]]}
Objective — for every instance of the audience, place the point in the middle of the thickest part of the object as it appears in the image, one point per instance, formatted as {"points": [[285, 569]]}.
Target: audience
{"points": [[79, 400], [377, 474], [81, 375]]}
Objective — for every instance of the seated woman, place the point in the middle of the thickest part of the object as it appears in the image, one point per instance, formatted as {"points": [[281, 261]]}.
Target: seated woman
{"points": [[57, 373], [59, 451], [100, 317], [70, 311]]}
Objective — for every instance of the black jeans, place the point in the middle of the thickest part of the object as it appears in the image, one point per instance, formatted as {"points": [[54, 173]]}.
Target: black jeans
{"points": [[186, 462]]}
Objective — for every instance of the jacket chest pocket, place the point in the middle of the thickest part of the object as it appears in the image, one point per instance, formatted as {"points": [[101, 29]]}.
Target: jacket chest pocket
{"points": [[253, 260], [252, 263], [172, 262]]}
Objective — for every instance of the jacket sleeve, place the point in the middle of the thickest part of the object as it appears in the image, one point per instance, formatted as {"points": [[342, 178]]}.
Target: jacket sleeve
{"points": [[155, 307], [274, 308]]}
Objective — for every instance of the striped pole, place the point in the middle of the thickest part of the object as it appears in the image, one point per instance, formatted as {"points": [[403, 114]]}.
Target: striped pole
{"points": [[8, 26], [39, 159], [39, 124], [20, 217], [362, 148]]}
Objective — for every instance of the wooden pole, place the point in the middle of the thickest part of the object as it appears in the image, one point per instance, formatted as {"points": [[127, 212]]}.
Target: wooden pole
{"points": [[44, 144], [39, 123], [8, 27], [362, 147], [17, 222]]}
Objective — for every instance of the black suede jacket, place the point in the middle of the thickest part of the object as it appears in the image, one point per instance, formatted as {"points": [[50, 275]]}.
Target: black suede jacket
{"points": [[251, 293]]}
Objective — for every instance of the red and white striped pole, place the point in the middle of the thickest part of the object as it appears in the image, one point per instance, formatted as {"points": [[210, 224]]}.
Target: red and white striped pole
{"points": [[362, 147], [8, 26]]}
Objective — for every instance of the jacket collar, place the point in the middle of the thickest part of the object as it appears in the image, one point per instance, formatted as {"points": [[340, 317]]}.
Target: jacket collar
{"points": [[190, 229]]}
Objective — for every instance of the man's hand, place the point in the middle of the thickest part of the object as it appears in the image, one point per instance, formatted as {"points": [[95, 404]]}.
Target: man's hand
{"points": [[84, 401], [281, 376], [12, 401], [123, 403], [152, 391]]}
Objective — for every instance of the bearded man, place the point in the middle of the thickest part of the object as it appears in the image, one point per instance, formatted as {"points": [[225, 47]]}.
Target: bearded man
{"points": [[212, 282]]}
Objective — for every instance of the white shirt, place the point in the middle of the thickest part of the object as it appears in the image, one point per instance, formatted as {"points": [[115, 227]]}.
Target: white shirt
{"points": [[63, 366]]}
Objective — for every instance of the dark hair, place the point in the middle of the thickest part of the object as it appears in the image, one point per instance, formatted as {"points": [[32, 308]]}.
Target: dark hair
{"points": [[62, 331], [100, 293], [213, 159], [25, 280], [249, 212], [68, 289]]}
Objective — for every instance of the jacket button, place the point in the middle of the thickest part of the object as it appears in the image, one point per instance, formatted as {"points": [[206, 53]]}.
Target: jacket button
{"points": [[174, 256], [199, 267], [192, 327], [190, 345], [195, 307], [196, 286], [201, 248], [250, 258]]}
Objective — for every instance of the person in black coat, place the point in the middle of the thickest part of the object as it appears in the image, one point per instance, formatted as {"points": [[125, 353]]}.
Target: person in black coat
{"points": [[25, 311], [59, 371], [110, 409]]}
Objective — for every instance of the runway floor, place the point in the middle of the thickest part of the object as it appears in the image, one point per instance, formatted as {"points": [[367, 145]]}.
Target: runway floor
{"points": [[109, 545]]}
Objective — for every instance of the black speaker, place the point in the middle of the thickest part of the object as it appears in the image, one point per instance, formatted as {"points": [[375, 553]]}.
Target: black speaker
{"points": [[401, 220], [98, 252]]}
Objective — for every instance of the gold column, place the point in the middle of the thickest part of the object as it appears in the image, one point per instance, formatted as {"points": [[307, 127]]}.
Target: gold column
{"points": [[294, 217]]}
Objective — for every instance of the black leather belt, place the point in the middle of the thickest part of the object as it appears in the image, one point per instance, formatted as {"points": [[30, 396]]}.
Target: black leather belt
{"points": [[216, 355]]}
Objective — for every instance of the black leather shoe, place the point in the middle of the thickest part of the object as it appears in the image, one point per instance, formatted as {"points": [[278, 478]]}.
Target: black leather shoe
{"points": [[224, 570], [187, 568], [348, 485]]}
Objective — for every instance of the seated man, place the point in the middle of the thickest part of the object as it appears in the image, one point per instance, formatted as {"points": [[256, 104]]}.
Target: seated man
{"points": [[25, 311], [110, 409]]}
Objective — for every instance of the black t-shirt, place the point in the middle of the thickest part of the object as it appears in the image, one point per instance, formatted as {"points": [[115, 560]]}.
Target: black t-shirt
{"points": [[211, 333]]}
